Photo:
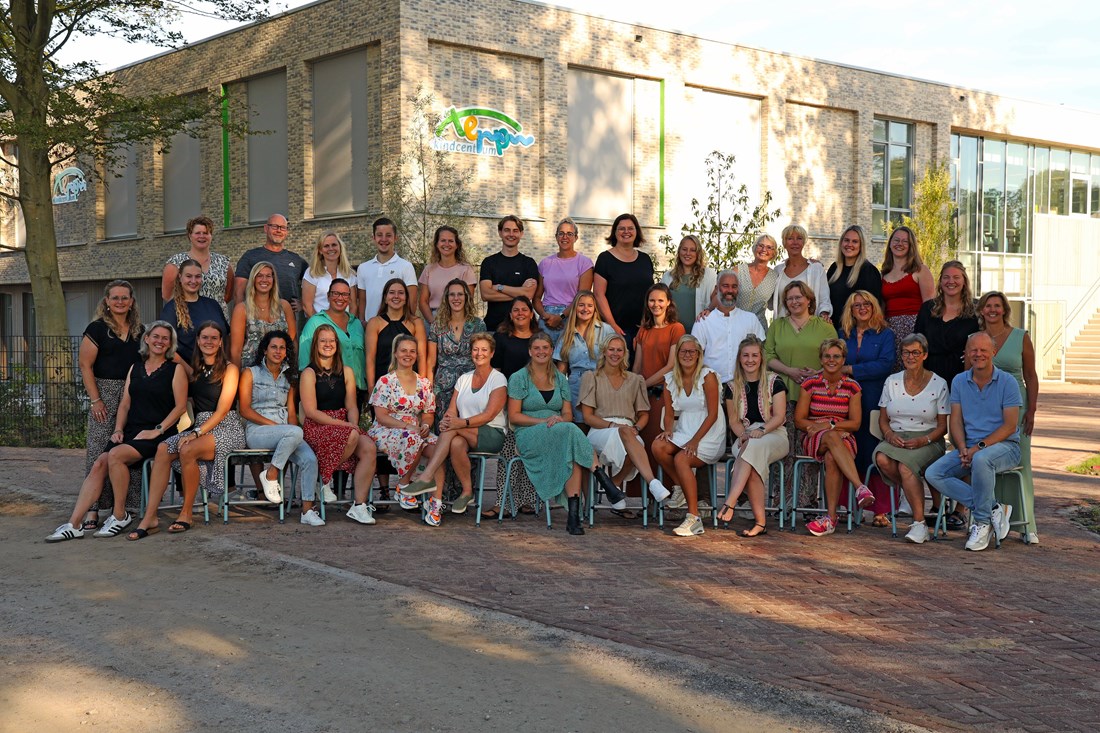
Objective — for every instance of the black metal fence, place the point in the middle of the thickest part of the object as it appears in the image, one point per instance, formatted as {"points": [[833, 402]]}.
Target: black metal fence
{"points": [[42, 398]]}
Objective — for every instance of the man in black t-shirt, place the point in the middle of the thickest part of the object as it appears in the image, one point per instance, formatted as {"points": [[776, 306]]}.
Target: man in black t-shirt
{"points": [[289, 266], [507, 274]]}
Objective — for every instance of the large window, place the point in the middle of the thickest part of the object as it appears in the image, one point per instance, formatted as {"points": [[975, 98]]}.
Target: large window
{"points": [[601, 142], [182, 182], [1079, 183], [267, 151], [340, 134], [1059, 181], [1095, 206], [892, 173], [120, 196]]}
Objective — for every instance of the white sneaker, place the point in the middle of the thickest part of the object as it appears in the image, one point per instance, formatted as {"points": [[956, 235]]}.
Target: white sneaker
{"points": [[692, 525], [1032, 538], [66, 532], [327, 493], [1001, 515], [979, 537], [362, 513], [312, 518], [904, 510], [677, 500], [273, 492], [660, 493], [114, 526], [918, 533]]}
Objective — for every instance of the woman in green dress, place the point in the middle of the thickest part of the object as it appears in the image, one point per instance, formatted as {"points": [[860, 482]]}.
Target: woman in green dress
{"points": [[554, 449]]}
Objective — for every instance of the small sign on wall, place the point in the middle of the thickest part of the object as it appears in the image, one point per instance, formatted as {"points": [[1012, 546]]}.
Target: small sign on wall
{"points": [[68, 185], [479, 131]]}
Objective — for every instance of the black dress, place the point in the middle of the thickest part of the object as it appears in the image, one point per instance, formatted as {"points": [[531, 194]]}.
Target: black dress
{"points": [[384, 351], [869, 279], [151, 400], [946, 341], [511, 354]]}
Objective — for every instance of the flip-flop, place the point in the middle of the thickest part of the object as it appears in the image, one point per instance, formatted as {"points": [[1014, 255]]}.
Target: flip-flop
{"points": [[624, 513], [141, 533], [490, 513], [185, 525]]}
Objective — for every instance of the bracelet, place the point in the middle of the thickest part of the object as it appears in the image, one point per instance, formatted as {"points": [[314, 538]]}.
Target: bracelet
{"points": [[467, 422], [97, 399]]}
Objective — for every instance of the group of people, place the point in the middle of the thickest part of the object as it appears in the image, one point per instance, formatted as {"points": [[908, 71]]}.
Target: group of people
{"points": [[578, 367]]}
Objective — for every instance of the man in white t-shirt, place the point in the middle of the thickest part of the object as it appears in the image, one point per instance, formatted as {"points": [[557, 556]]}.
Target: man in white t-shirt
{"points": [[372, 275], [724, 328]]}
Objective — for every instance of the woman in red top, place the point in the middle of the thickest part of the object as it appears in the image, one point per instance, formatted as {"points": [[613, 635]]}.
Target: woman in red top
{"points": [[829, 412], [906, 283]]}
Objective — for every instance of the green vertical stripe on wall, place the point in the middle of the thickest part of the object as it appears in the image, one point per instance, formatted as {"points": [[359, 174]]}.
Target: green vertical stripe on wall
{"points": [[227, 214], [661, 162]]}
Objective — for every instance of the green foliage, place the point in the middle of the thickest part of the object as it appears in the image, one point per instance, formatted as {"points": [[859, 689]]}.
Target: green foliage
{"points": [[424, 188], [728, 223], [34, 413], [933, 217]]}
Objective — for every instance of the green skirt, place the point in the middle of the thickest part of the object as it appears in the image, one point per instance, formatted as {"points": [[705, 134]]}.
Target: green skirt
{"points": [[916, 459]]}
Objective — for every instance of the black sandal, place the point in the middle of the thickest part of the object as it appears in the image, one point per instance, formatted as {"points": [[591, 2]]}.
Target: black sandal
{"points": [[763, 530], [141, 533], [722, 514], [178, 523], [90, 525]]}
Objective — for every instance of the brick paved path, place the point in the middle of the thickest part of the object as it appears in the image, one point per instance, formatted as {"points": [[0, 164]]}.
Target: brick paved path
{"points": [[931, 635]]}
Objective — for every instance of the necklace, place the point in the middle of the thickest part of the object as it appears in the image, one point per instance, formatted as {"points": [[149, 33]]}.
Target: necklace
{"points": [[999, 338], [915, 387]]}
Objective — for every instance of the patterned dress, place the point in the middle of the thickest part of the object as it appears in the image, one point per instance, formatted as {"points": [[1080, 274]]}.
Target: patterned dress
{"points": [[402, 445], [256, 329], [452, 360], [825, 403], [329, 441]]}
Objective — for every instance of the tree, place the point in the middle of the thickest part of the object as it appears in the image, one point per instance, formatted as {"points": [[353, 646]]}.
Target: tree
{"points": [[423, 188], [727, 225], [933, 217], [55, 113]]}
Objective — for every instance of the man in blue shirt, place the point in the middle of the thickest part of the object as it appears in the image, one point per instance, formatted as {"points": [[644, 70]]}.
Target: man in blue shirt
{"points": [[985, 407]]}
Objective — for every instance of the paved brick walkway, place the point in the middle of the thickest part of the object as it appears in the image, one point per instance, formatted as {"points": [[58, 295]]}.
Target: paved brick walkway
{"points": [[931, 635]]}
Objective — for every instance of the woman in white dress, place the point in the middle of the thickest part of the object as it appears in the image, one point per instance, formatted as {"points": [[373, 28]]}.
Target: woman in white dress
{"points": [[697, 435]]}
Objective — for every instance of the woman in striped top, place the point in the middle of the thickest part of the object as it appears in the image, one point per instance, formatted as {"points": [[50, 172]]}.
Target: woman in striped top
{"points": [[829, 412]]}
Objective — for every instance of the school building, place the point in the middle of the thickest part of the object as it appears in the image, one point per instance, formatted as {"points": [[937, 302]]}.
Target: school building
{"points": [[563, 113]]}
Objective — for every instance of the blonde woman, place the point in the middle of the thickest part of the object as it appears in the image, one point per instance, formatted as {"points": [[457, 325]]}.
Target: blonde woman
{"points": [[906, 282], [694, 432], [756, 406], [261, 312], [948, 320], [797, 268], [615, 404], [580, 344], [852, 271], [690, 281], [756, 280], [329, 262], [217, 270]]}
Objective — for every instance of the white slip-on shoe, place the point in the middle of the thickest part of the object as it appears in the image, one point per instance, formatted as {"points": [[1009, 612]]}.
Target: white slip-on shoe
{"points": [[273, 492]]}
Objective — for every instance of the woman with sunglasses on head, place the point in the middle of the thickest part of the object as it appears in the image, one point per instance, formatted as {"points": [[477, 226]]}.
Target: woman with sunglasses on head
{"points": [[198, 454], [872, 352], [756, 280], [562, 276], [110, 346], [153, 400]]}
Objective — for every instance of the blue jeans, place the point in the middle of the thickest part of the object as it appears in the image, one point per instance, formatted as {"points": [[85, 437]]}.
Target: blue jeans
{"points": [[288, 444], [947, 472]]}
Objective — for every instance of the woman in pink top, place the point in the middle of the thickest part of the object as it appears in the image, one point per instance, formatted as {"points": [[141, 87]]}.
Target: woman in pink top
{"points": [[906, 283], [448, 262], [562, 276]]}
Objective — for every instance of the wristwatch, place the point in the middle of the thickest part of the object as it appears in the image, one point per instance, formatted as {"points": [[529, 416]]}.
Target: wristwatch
{"points": [[981, 444], [160, 427], [499, 288], [832, 422]]}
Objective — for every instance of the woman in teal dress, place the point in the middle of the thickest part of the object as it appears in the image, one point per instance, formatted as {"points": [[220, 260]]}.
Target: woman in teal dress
{"points": [[553, 448], [1015, 354]]}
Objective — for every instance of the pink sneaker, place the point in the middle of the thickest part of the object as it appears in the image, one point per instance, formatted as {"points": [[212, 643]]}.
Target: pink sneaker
{"points": [[864, 497], [823, 525]]}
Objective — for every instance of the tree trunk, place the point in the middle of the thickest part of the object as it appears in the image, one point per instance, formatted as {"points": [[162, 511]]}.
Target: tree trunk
{"points": [[41, 250]]}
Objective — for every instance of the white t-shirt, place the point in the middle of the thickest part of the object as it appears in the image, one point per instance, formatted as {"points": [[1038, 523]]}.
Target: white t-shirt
{"points": [[373, 275], [914, 414], [472, 403], [322, 284]]}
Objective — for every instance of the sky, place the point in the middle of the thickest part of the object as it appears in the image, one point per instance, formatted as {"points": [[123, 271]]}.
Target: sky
{"points": [[1046, 51]]}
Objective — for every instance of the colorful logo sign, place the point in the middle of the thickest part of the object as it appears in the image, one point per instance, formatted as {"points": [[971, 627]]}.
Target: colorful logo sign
{"points": [[479, 131], [68, 185]]}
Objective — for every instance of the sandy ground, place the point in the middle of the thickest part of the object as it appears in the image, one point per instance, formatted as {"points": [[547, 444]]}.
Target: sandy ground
{"points": [[203, 633]]}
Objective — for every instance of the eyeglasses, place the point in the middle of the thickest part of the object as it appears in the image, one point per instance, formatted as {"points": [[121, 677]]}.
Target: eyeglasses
{"points": [[626, 230], [338, 294], [860, 306], [689, 352], [277, 227], [119, 298], [912, 353], [568, 235]]}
